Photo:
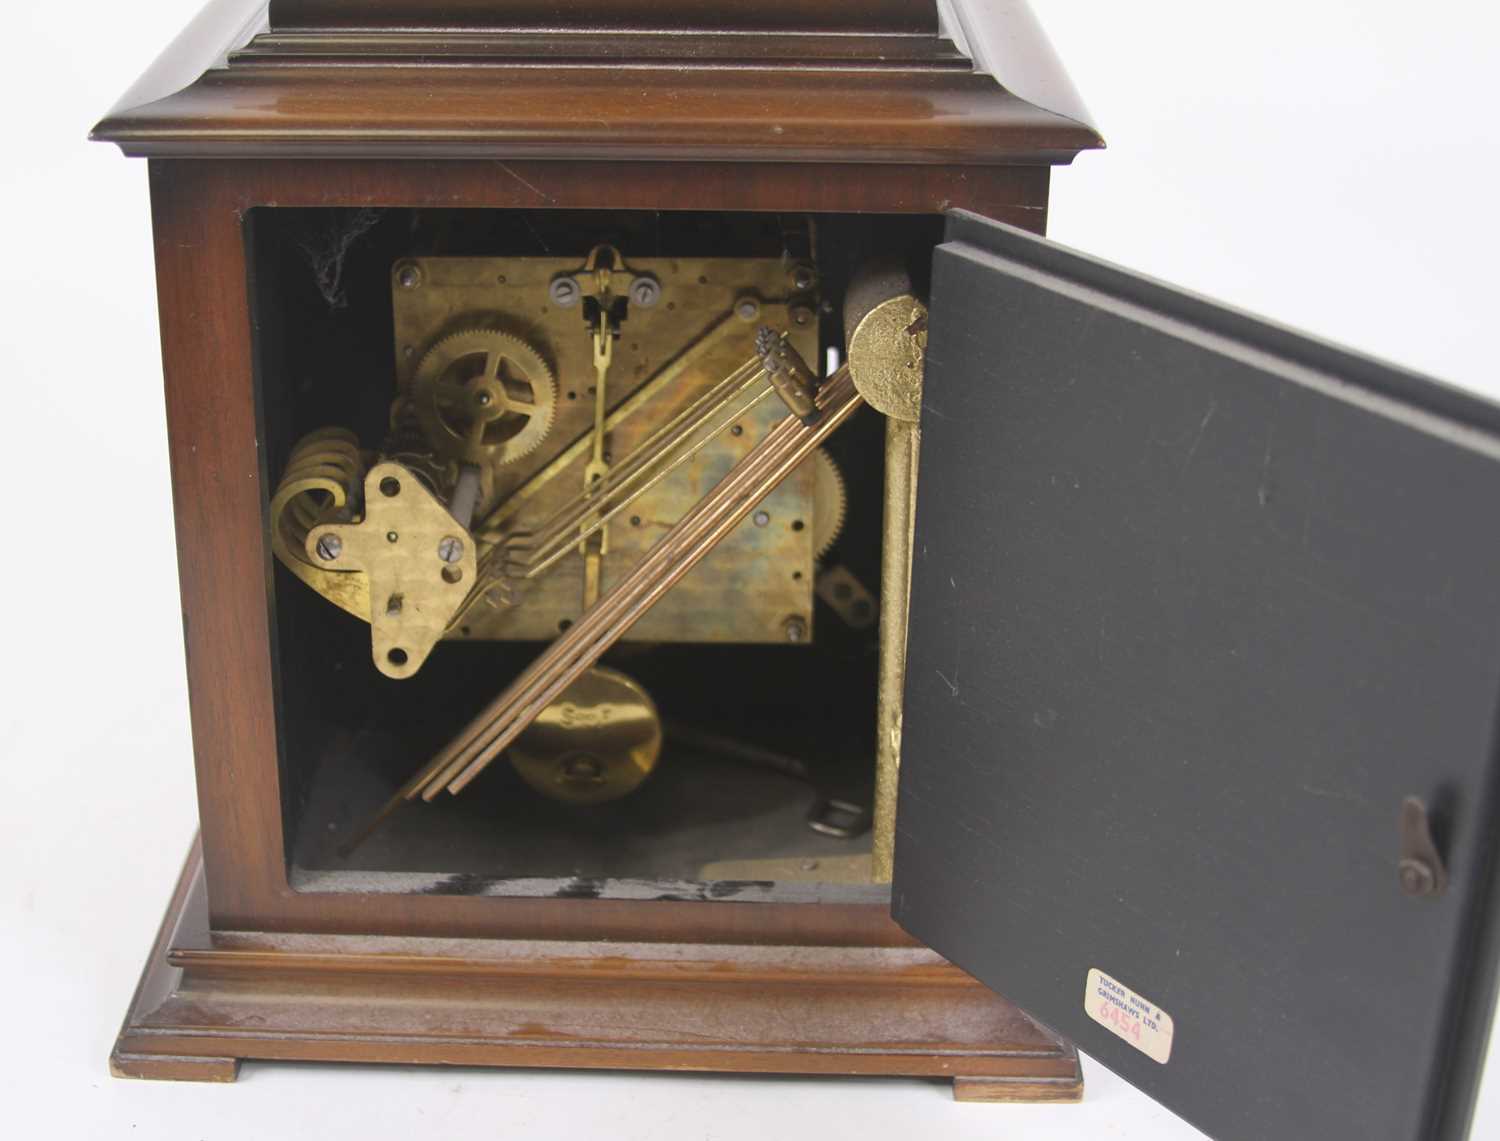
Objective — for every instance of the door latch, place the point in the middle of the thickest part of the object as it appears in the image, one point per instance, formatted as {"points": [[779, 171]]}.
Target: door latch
{"points": [[1421, 869]]}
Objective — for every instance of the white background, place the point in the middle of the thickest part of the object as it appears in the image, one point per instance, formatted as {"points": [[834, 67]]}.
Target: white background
{"points": [[1331, 163]]}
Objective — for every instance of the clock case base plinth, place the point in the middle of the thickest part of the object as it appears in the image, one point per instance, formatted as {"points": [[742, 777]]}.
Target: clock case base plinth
{"points": [[206, 1003]]}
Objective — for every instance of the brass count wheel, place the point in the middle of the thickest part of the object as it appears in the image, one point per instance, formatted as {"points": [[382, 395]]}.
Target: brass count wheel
{"points": [[598, 741], [483, 397]]}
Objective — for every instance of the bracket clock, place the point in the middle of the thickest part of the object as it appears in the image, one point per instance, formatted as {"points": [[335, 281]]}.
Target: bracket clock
{"points": [[678, 573]]}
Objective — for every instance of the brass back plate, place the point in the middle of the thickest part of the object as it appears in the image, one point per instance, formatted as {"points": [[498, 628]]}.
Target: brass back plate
{"points": [[762, 574]]}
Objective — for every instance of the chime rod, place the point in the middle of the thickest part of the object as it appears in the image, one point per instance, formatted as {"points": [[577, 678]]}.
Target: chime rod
{"points": [[565, 517], [774, 458], [656, 478], [556, 539], [480, 730], [536, 553], [474, 733], [758, 473], [725, 507]]}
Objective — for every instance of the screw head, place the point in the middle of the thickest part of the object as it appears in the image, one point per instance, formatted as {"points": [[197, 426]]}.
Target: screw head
{"points": [[330, 547], [563, 291], [645, 292], [450, 549], [795, 630], [760, 518], [409, 277], [747, 308], [803, 277]]}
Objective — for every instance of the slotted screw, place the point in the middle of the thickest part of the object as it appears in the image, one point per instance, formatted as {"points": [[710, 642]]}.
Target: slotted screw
{"points": [[645, 292]]}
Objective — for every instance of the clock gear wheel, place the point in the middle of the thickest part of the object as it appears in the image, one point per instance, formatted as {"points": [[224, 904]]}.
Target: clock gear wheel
{"points": [[830, 500], [483, 396]]}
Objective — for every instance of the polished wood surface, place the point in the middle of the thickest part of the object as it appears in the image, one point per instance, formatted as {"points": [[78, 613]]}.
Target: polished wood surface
{"points": [[220, 488], [690, 80], [207, 1001], [739, 114]]}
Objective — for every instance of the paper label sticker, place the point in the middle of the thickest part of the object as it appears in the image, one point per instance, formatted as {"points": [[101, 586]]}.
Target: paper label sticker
{"points": [[1127, 1015]]}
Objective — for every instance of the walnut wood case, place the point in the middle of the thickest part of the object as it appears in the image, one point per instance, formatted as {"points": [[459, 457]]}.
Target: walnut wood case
{"points": [[833, 108]]}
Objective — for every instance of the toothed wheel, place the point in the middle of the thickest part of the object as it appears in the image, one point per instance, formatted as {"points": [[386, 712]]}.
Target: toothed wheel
{"points": [[483, 397], [829, 502]]}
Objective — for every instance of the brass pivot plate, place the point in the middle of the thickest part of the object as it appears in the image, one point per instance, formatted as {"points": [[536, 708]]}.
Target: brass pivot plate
{"points": [[419, 561], [598, 741], [697, 330]]}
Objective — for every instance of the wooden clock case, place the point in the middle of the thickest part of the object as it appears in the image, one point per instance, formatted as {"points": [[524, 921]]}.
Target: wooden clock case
{"points": [[837, 107]]}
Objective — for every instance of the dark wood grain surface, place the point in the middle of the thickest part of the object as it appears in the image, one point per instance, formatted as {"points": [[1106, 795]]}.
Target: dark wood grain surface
{"points": [[690, 80]]}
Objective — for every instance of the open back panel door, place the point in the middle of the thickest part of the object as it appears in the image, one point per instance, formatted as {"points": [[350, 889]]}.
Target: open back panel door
{"points": [[1201, 708]]}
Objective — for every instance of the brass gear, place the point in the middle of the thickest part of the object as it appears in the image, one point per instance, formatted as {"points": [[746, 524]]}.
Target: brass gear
{"points": [[830, 500], [483, 396]]}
